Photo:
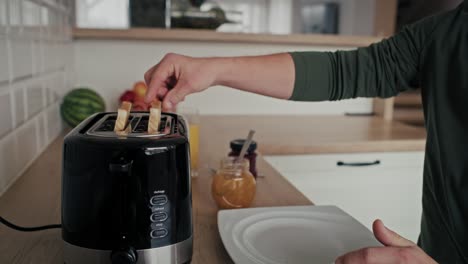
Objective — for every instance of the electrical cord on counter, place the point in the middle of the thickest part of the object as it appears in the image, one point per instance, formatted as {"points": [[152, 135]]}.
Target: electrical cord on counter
{"points": [[27, 229]]}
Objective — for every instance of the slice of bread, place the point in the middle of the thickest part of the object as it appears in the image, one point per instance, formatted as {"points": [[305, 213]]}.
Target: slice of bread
{"points": [[123, 113], [155, 117]]}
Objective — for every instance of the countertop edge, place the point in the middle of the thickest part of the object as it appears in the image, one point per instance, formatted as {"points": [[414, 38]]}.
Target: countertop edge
{"points": [[403, 145], [214, 36]]}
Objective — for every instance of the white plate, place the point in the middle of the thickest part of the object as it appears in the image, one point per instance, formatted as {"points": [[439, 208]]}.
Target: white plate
{"points": [[293, 234]]}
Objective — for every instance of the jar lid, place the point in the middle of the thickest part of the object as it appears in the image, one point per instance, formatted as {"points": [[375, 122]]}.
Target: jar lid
{"points": [[237, 144]]}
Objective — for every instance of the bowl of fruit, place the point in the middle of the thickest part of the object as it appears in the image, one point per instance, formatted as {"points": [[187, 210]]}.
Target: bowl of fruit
{"points": [[136, 96]]}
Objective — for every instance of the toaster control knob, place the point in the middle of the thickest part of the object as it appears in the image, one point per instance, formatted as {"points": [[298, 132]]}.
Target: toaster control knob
{"points": [[126, 256]]}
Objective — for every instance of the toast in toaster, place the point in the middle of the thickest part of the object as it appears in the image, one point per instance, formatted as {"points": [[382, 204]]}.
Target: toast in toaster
{"points": [[155, 117], [123, 113]]}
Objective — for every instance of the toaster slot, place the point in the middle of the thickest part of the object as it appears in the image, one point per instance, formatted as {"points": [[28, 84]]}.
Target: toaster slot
{"points": [[142, 126], [137, 126], [134, 121], [109, 123], [163, 124]]}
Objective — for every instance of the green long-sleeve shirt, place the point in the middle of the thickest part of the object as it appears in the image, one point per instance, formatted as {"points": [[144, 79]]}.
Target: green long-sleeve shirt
{"points": [[431, 54]]}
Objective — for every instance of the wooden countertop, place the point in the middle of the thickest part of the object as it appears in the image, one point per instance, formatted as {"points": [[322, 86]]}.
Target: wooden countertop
{"points": [[214, 36], [295, 135], [35, 198]]}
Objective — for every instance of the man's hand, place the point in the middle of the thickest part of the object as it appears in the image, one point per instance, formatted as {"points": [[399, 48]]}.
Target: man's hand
{"points": [[397, 250], [177, 76]]}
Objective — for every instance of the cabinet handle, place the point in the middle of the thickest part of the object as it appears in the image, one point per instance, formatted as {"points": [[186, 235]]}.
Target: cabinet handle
{"points": [[357, 164]]}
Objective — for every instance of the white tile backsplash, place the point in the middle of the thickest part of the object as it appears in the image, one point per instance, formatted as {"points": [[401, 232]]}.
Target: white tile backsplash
{"points": [[49, 94], [20, 105], [3, 14], [9, 167], [6, 123], [4, 63], [26, 139], [33, 66], [37, 57], [54, 122], [14, 13], [52, 85], [42, 130], [45, 27], [21, 50], [31, 16], [50, 56], [35, 99]]}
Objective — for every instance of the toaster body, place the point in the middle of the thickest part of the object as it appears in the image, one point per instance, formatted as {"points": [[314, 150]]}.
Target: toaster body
{"points": [[127, 199]]}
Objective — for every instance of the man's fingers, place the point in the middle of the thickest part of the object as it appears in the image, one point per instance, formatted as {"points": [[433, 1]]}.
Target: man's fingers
{"points": [[162, 92], [150, 94], [158, 81], [149, 73], [175, 96], [389, 237], [370, 255]]}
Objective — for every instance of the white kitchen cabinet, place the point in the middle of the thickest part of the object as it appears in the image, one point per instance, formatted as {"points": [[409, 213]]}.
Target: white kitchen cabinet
{"points": [[390, 191]]}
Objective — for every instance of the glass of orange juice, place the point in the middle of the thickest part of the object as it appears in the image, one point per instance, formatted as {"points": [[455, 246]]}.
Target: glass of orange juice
{"points": [[192, 115]]}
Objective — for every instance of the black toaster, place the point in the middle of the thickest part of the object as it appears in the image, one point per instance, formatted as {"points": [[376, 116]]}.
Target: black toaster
{"points": [[127, 199]]}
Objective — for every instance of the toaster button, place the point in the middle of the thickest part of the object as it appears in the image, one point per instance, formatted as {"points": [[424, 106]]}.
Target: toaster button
{"points": [[158, 200], [159, 233], [158, 217]]}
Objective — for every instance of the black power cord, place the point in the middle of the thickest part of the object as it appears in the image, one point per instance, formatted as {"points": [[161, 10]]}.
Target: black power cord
{"points": [[27, 229]]}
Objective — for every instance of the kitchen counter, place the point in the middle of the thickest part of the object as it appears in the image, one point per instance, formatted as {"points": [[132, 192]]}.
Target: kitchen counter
{"points": [[214, 36], [35, 198]]}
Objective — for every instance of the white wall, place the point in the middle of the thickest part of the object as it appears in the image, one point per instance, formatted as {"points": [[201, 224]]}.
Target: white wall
{"points": [[110, 67], [35, 67]]}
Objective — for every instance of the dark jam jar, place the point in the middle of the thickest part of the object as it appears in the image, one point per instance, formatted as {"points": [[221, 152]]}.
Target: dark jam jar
{"points": [[251, 155]]}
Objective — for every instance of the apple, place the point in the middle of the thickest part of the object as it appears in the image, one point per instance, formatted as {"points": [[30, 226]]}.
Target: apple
{"points": [[127, 96], [140, 89]]}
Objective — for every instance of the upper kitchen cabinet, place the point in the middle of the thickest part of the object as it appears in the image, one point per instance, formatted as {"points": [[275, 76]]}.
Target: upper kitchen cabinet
{"points": [[344, 17]]}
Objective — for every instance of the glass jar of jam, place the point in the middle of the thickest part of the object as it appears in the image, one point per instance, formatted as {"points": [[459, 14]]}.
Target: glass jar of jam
{"points": [[251, 155], [233, 185]]}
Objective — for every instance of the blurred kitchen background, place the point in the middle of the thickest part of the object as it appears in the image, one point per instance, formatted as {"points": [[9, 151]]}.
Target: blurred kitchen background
{"points": [[117, 40], [49, 47]]}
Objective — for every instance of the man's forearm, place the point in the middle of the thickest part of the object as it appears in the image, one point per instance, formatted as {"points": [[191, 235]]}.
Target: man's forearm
{"points": [[270, 75]]}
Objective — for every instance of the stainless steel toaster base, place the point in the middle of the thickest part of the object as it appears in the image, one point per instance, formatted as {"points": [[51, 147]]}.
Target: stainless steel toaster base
{"points": [[179, 253]]}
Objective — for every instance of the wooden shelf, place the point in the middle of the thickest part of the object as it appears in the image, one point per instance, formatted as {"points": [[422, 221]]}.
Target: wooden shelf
{"points": [[213, 36]]}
